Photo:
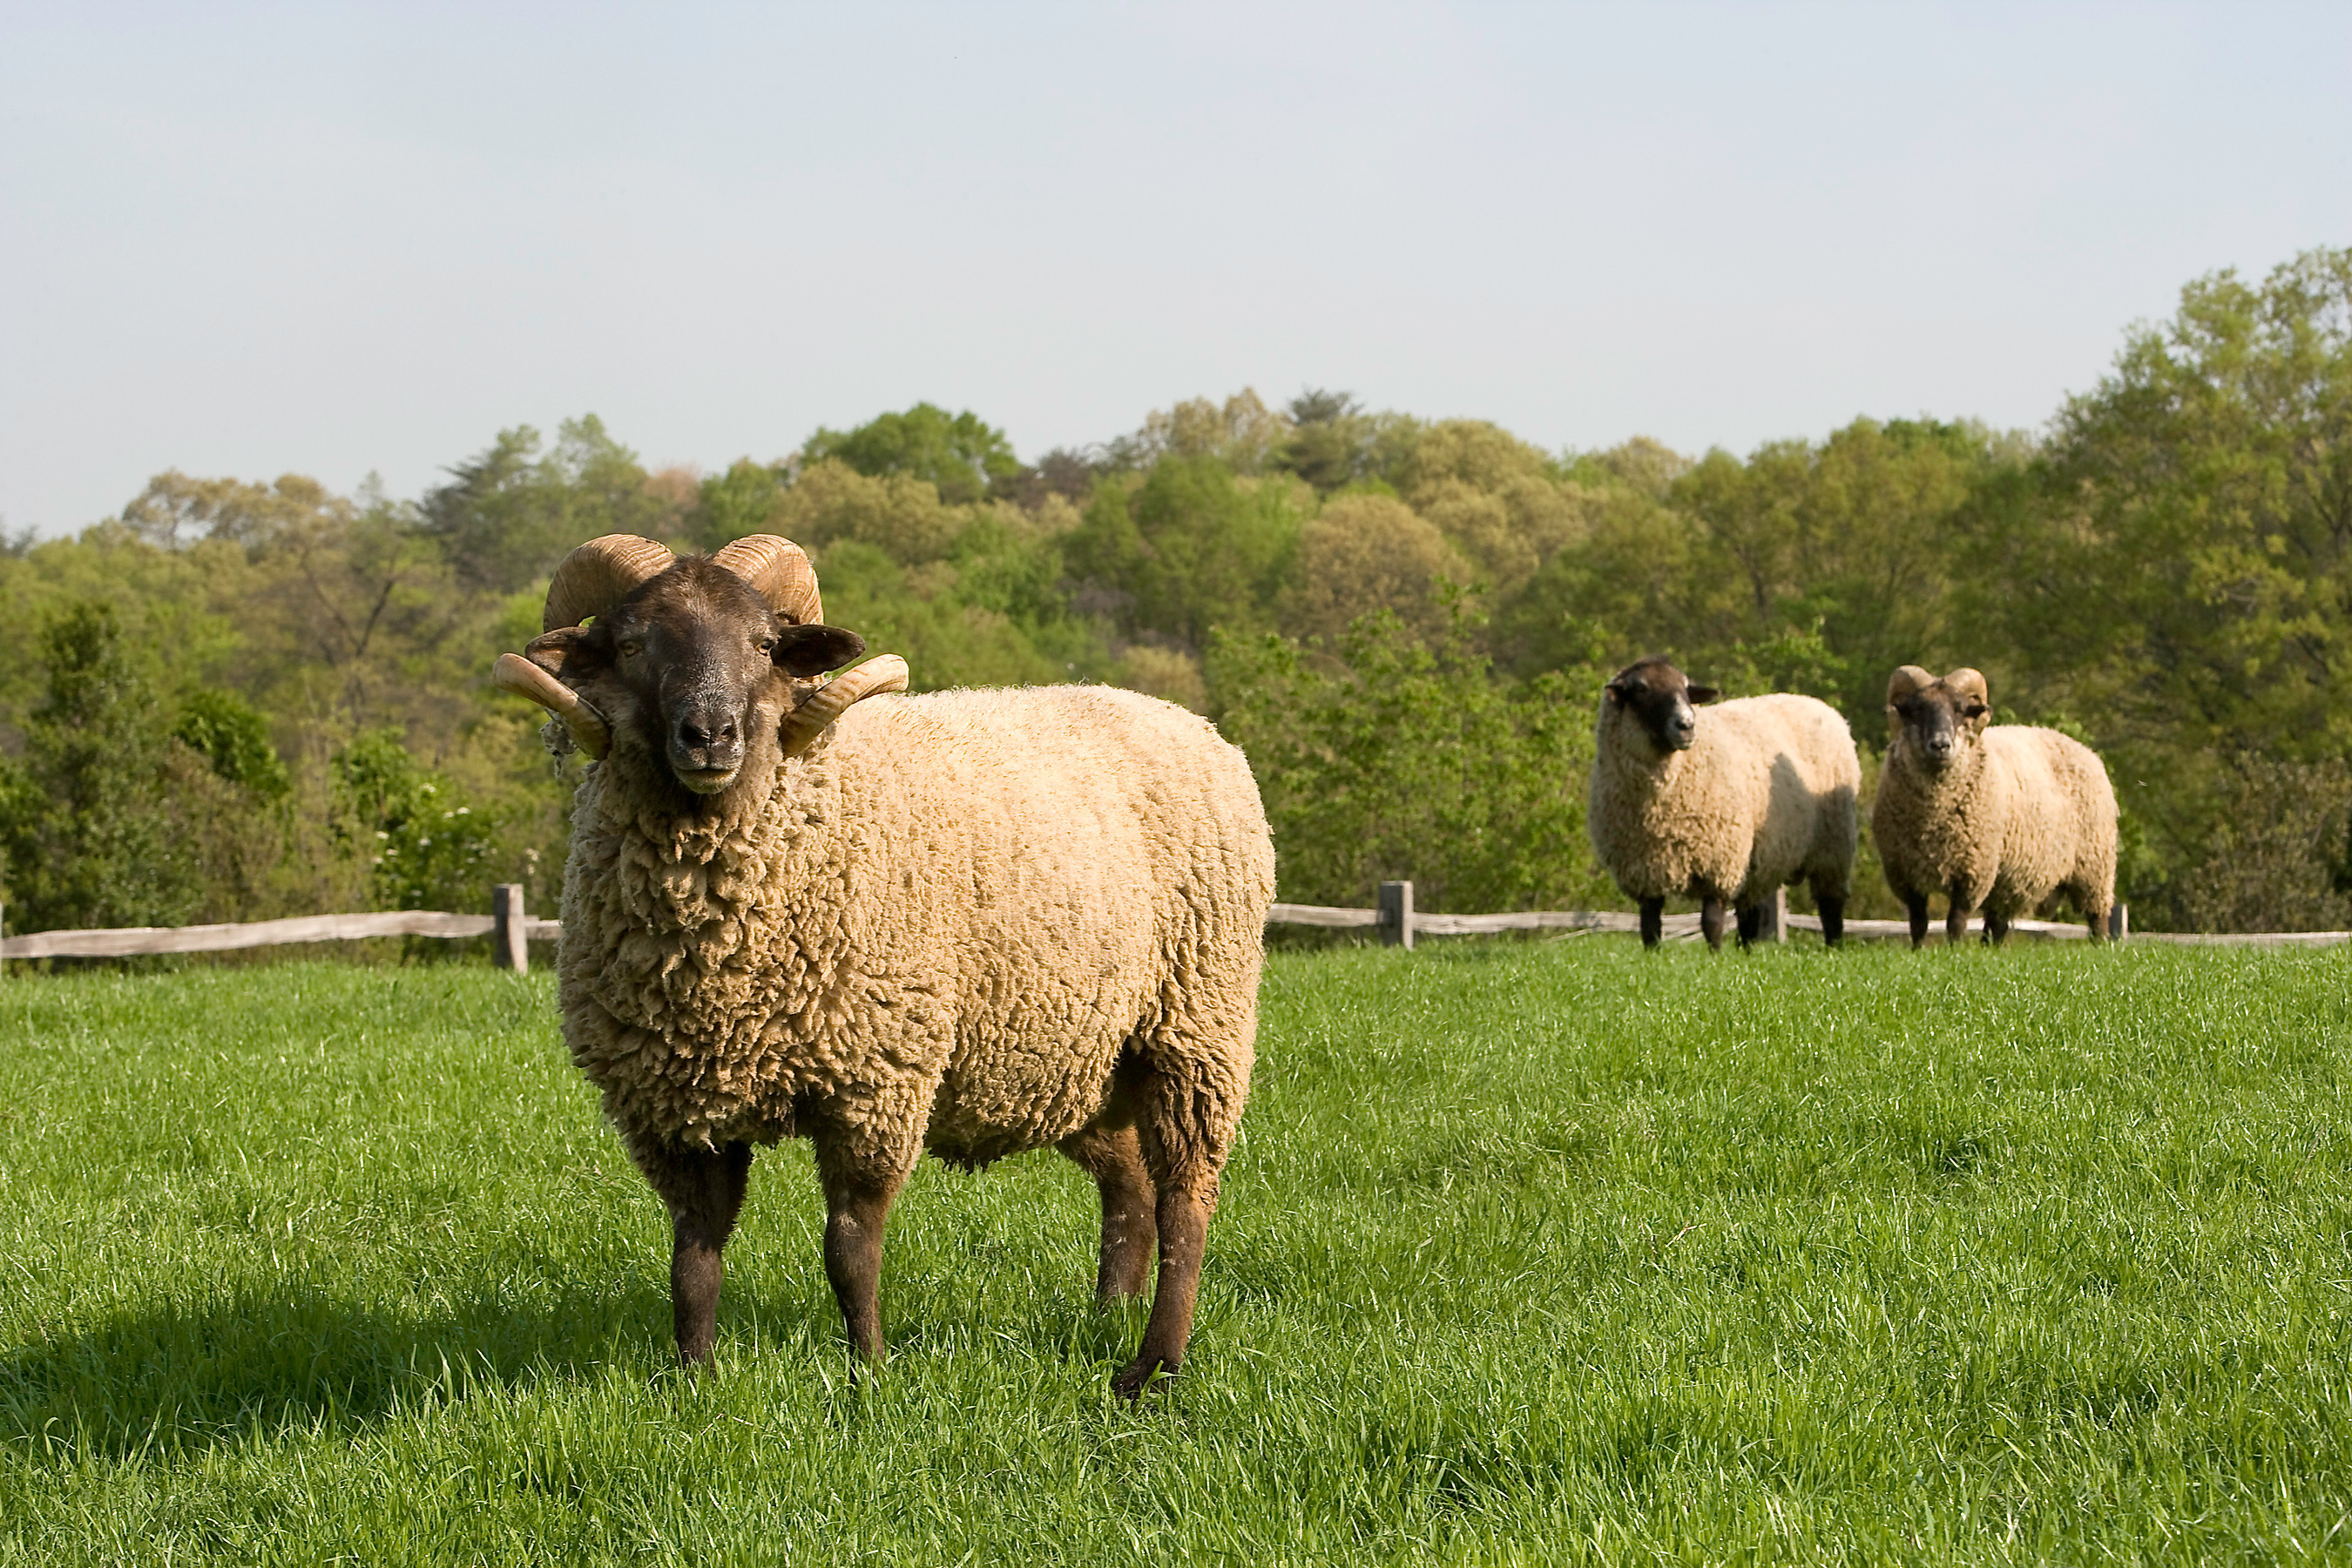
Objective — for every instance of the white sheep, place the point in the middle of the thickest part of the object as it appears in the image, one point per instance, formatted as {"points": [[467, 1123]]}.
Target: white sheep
{"points": [[2003, 817], [1729, 808], [973, 921]]}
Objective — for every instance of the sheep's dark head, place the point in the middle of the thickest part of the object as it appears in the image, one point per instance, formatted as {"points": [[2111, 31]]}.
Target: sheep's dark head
{"points": [[1660, 703], [701, 664], [1936, 721]]}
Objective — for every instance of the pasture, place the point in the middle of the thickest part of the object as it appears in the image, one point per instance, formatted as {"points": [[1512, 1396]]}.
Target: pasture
{"points": [[1538, 1252]]}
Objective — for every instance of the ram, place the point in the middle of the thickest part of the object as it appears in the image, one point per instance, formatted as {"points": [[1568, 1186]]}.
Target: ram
{"points": [[2003, 817], [1727, 808], [975, 922]]}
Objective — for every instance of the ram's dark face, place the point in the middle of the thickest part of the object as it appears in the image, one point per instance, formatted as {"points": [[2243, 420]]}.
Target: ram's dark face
{"points": [[695, 669], [1936, 721], [1661, 702]]}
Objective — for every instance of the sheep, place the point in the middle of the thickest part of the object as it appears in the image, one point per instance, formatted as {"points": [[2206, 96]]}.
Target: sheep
{"points": [[977, 921], [1761, 795], [2004, 818]]}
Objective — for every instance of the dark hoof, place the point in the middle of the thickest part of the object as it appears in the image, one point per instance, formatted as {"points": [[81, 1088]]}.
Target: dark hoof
{"points": [[1130, 1384]]}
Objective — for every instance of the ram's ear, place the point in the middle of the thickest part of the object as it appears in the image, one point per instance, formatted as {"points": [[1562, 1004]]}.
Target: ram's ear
{"points": [[576, 651], [1972, 708], [1700, 695], [806, 651]]}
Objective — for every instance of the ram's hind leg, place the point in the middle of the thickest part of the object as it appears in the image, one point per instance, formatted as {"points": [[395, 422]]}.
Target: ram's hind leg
{"points": [[704, 1189], [1188, 1104], [1113, 1156]]}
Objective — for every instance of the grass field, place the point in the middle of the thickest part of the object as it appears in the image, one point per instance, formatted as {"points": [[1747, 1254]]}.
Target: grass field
{"points": [[1532, 1252]]}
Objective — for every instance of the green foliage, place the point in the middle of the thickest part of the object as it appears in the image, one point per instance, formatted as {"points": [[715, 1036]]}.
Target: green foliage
{"points": [[1190, 549], [735, 503], [508, 515], [86, 818], [233, 737], [427, 847], [2178, 567], [2168, 577], [955, 454], [1528, 1252], [1402, 759]]}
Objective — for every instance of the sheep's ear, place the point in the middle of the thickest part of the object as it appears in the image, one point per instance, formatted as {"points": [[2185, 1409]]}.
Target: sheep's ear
{"points": [[1972, 708], [578, 651], [812, 650], [1702, 694]]}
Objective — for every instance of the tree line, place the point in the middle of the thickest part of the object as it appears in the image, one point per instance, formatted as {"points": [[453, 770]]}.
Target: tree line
{"points": [[234, 700]]}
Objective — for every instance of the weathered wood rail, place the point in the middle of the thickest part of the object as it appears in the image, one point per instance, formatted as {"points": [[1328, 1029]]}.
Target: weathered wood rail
{"points": [[512, 931], [1399, 924]]}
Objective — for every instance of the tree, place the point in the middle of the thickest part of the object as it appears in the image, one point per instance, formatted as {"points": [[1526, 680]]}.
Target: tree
{"points": [[83, 818], [956, 454], [508, 515], [1190, 548], [2175, 572]]}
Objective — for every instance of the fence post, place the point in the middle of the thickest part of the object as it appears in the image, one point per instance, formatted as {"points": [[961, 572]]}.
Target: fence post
{"points": [[1396, 915], [1772, 920], [509, 950], [2118, 921]]}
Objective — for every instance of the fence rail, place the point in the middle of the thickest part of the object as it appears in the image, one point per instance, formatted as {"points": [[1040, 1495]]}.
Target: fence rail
{"points": [[1393, 918], [1399, 924]]}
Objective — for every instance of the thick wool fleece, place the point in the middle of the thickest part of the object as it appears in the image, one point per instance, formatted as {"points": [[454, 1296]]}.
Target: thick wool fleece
{"points": [[2020, 815], [939, 926], [1765, 795]]}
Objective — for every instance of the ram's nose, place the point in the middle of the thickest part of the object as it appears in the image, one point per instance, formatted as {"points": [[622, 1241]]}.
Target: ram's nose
{"points": [[706, 751]]}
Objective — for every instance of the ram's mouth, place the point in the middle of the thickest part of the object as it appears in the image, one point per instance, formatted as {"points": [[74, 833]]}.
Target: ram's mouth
{"points": [[706, 781]]}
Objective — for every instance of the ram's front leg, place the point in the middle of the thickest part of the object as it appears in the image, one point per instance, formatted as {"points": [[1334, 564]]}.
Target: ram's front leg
{"points": [[861, 1178], [704, 1191]]}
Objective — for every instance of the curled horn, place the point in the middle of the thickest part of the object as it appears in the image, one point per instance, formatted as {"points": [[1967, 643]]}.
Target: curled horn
{"points": [[598, 575], [781, 572], [514, 673], [1969, 683], [1908, 681], [805, 723]]}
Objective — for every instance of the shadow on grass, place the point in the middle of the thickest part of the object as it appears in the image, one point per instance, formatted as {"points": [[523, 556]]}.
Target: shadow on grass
{"points": [[176, 1377]]}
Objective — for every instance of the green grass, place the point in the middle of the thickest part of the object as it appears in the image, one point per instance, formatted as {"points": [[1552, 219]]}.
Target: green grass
{"points": [[1531, 1252]]}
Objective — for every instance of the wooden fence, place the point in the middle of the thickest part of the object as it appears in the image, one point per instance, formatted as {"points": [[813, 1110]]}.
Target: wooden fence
{"points": [[1394, 919], [1398, 924]]}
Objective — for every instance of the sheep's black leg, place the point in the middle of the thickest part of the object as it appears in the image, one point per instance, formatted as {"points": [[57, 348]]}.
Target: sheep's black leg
{"points": [[857, 1206], [1955, 922], [704, 1189], [1751, 920], [1710, 922], [1995, 929], [1114, 1158], [1653, 921], [1917, 908], [1834, 920], [1182, 1154]]}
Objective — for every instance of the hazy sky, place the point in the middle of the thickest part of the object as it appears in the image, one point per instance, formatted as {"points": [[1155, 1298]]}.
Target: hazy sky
{"points": [[246, 239]]}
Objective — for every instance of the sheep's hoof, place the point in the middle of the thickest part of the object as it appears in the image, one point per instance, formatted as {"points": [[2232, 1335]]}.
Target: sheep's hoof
{"points": [[1141, 1373]]}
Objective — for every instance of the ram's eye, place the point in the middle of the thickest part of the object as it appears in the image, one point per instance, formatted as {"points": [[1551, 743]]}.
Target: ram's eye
{"points": [[631, 647], [768, 645]]}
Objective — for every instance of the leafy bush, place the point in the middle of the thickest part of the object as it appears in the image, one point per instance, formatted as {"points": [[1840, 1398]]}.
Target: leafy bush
{"points": [[430, 850], [1394, 758]]}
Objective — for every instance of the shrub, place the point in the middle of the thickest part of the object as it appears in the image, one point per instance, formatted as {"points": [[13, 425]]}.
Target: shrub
{"points": [[1395, 758]]}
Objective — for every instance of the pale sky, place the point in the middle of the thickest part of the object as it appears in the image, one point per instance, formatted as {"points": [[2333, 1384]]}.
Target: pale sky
{"points": [[334, 239]]}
